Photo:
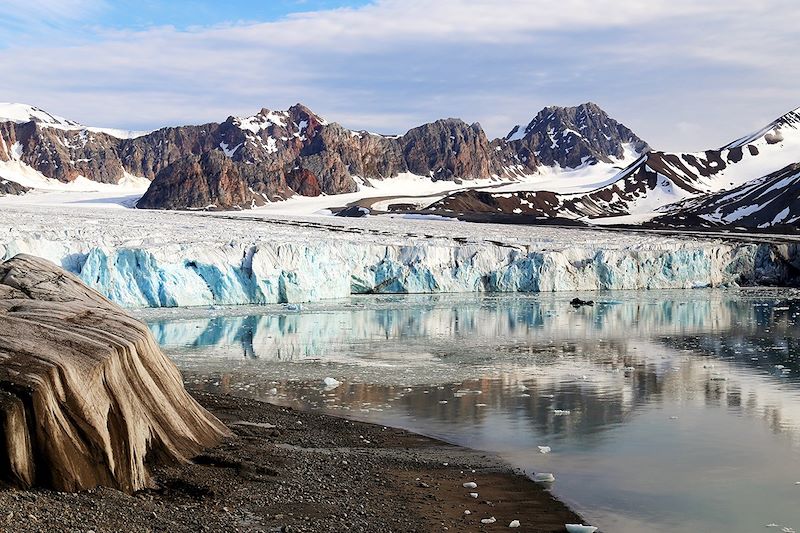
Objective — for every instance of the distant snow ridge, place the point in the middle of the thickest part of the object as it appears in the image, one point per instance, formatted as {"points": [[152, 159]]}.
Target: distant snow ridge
{"points": [[22, 113]]}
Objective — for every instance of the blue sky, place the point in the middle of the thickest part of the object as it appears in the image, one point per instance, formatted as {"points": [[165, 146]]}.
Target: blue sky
{"points": [[685, 75], [184, 14]]}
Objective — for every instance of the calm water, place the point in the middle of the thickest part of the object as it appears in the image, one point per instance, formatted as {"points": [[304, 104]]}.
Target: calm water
{"points": [[666, 412]]}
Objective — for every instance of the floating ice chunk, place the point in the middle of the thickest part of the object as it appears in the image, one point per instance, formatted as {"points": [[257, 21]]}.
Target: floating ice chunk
{"points": [[331, 383], [580, 528], [471, 485], [514, 523], [491, 520], [544, 449], [561, 412], [544, 477]]}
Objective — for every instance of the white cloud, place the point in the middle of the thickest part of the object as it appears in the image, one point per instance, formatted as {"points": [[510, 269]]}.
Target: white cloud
{"points": [[396, 63]]}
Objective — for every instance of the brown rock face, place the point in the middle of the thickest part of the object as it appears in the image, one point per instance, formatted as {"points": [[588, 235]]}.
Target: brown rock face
{"points": [[304, 182], [449, 149], [87, 398], [210, 181], [63, 154]]}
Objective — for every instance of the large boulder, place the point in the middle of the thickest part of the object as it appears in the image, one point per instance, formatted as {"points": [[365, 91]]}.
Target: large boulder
{"points": [[87, 398]]}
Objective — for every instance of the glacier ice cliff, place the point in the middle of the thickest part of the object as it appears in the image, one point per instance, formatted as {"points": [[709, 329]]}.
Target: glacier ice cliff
{"points": [[178, 259]]}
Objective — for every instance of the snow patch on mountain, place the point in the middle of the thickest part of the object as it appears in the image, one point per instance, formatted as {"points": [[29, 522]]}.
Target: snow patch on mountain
{"points": [[22, 113]]}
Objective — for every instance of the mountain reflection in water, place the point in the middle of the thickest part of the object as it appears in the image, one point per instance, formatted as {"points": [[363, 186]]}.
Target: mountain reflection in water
{"points": [[671, 411]]}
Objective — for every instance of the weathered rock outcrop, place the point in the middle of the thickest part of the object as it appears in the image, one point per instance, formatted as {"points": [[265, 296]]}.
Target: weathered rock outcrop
{"points": [[10, 187], [86, 396]]}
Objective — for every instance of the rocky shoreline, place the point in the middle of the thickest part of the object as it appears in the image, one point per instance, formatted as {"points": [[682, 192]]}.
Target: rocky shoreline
{"points": [[286, 470]]}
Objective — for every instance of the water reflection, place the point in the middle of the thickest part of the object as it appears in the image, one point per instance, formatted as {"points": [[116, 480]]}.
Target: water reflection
{"points": [[671, 412]]}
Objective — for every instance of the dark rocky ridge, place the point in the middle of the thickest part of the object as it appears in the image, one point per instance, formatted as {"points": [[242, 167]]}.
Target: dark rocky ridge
{"points": [[712, 179], [276, 154], [572, 136]]}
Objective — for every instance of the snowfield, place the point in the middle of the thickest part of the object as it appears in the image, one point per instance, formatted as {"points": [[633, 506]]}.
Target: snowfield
{"points": [[164, 259]]}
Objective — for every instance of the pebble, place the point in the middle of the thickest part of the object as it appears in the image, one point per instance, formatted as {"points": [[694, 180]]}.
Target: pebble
{"points": [[471, 485], [473, 494], [491, 520], [514, 523], [467, 511]]}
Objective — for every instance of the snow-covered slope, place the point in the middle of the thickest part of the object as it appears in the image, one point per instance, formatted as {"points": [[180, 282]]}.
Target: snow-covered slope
{"points": [[770, 201], [22, 113], [194, 259]]}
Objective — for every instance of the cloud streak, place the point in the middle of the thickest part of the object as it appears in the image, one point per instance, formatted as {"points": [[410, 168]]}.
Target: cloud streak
{"points": [[682, 75]]}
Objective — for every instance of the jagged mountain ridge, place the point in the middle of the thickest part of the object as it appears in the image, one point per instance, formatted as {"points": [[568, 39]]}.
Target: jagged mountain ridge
{"points": [[276, 154], [572, 136], [656, 180]]}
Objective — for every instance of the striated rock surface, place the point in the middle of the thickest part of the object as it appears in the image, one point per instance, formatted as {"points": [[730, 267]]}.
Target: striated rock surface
{"points": [[86, 396]]}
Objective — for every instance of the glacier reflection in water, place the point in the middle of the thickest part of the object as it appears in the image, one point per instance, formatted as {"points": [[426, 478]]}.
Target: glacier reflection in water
{"points": [[669, 411]]}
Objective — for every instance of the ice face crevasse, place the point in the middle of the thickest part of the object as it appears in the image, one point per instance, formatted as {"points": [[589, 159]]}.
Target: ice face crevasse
{"points": [[265, 272]]}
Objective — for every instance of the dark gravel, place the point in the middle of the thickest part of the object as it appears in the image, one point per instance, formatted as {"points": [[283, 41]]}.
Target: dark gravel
{"points": [[287, 470]]}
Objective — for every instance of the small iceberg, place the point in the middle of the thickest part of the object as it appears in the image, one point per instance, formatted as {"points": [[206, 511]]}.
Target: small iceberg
{"points": [[331, 383], [544, 477], [544, 449], [580, 528]]}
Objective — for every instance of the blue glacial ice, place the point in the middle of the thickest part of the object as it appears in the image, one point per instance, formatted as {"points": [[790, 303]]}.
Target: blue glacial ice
{"points": [[239, 262]]}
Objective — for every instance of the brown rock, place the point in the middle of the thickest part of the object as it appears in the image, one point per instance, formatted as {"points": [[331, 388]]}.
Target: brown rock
{"points": [[87, 398]]}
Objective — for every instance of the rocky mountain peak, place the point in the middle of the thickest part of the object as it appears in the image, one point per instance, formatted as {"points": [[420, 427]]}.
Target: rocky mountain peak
{"points": [[573, 136], [300, 112]]}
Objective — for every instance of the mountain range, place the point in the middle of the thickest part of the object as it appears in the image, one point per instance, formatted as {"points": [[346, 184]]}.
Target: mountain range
{"points": [[245, 162]]}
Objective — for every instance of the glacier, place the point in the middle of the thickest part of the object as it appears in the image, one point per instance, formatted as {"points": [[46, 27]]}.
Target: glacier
{"points": [[167, 259]]}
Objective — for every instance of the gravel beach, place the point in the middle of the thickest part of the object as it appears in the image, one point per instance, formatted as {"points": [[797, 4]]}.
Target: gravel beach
{"points": [[286, 470]]}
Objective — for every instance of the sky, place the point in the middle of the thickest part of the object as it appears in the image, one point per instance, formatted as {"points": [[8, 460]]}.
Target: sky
{"points": [[683, 74]]}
